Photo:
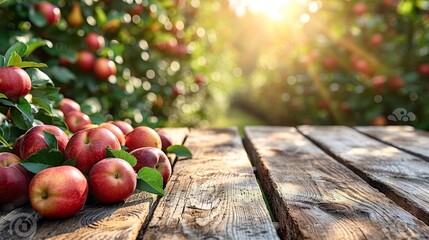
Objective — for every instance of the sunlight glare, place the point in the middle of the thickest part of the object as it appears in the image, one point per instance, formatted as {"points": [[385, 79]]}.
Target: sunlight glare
{"points": [[274, 9]]}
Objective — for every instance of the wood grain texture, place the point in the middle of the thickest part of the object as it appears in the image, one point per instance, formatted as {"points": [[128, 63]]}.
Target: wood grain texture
{"points": [[315, 197], [214, 195], [405, 138], [401, 176], [94, 221]]}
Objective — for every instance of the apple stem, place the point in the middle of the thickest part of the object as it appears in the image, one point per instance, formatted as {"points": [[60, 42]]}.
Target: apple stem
{"points": [[45, 195]]}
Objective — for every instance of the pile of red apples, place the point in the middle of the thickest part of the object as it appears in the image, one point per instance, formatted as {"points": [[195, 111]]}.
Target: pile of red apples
{"points": [[61, 191]]}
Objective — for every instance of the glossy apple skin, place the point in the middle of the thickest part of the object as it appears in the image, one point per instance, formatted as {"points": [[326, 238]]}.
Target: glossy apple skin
{"points": [[124, 126], [165, 140], [67, 105], [51, 12], [17, 147], [142, 136], [85, 60], [115, 130], [14, 82], [14, 182], [89, 146], [153, 158], [104, 68], [112, 180], [58, 192], [34, 139], [94, 41], [76, 121]]}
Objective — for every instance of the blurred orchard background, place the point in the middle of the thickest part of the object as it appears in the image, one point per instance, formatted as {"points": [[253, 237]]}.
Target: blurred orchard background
{"points": [[216, 63]]}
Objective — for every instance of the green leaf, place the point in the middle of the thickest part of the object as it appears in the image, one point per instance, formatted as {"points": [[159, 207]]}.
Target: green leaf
{"points": [[61, 74], [49, 156], [25, 108], [36, 43], [179, 150], [50, 140], [37, 18], [100, 15], [6, 102], [19, 48], [14, 60], [34, 167], [2, 95], [70, 162], [42, 103], [38, 78], [2, 61], [122, 155], [26, 64], [150, 180], [20, 120]]}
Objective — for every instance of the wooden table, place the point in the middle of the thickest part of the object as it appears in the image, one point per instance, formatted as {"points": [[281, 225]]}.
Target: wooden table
{"points": [[318, 182]]}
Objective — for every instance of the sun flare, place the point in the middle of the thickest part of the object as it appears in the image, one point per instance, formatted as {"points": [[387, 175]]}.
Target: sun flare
{"points": [[277, 10]]}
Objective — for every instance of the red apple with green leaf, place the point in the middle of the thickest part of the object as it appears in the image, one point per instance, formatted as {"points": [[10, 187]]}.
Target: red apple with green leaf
{"points": [[154, 158], [14, 82], [142, 136], [89, 146], [58, 192], [112, 180], [76, 120], [14, 181], [34, 139]]}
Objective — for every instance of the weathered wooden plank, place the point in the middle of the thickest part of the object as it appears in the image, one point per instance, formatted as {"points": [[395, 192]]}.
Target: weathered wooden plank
{"points": [[315, 197], [117, 221], [401, 176], [214, 195], [405, 138]]}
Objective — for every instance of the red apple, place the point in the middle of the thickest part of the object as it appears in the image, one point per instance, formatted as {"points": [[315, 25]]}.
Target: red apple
{"points": [[124, 126], [137, 9], [329, 63], [89, 126], [379, 121], [58, 192], [14, 181], [200, 79], [424, 69], [360, 8], [89, 146], [115, 130], [344, 106], [362, 66], [396, 83], [378, 83], [177, 90], [153, 158], [51, 12], [112, 180], [142, 137], [67, 105], [165, 140], [104, 68], [76, 120], [14, 82], [376, 40], [322, 105], [34, 139], [94, 41], [64, 62], [85, 60]]}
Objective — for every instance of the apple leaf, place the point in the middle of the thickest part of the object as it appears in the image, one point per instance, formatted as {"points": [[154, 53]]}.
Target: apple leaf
{"points": [[21, 114], [34, 44], [50, 140], [37, 18], [179, 150], [70, 162], [14, 60], [150, 180], [38, 78], [34, 167], [18, 48], [47, 156], [122, 155], [2, 95], [61, 74], [25, 64], [2, 61]]}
